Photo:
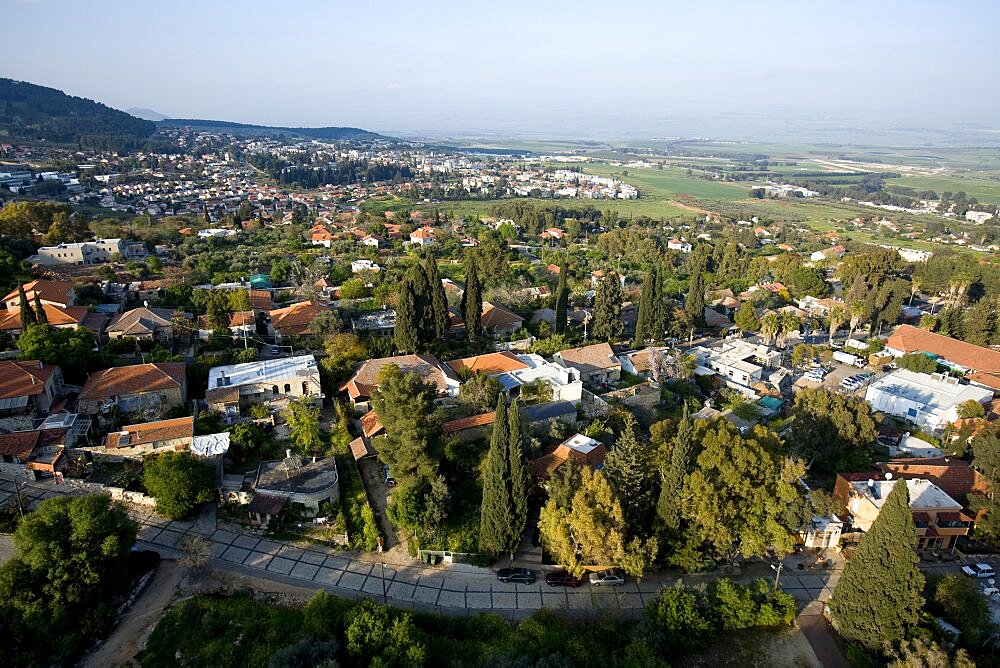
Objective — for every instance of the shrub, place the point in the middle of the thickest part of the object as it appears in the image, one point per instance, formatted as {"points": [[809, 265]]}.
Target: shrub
{"points": [[179, 483]]}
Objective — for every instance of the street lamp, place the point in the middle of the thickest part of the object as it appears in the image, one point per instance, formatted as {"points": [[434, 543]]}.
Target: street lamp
{"points": [[384, 597], [777, 573]]}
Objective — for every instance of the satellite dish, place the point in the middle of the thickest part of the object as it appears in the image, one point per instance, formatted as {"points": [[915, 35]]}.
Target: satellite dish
{"points": [[888, 475]]}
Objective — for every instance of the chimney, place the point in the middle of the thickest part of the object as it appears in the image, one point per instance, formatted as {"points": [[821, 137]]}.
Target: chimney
{"points": [[288, 453]]}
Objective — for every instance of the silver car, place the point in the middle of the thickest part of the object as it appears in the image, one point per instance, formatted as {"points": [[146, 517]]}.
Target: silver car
{"points": [[612, 576]]}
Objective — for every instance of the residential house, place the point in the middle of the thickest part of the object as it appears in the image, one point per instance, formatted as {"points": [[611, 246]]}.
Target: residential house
{"points": [[295, 320], [364, 382], [596, 363], [928, 401], [306, 482], [29, 387], [260, 301], [140, 440], [234, 387], [27, 454], [679, 245], [364, 265], [499, 321], [84, 253], [832, 253], [955, 476], [150, 291], [320, 235], [581, 449], [979, 364], [553, 234], [378, 324], [471, 428], [157, 387], [514, 371], [819, 308], [738, 363], [53, 293], [69, 317], [423, 236], [242, 324], [148, 324], [939, 519]]}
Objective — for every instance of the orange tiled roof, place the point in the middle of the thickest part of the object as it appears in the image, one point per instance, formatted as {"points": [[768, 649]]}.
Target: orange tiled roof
{"points": [[471, 422], [238, 319], [151, 432], [543, 466], [490, 363], [134, 379], [23, 378], [19, 444], [295, 319], [912, 339], [495, 316], [57, 292], [260, 300], [58, 316], [371, 425], [954, 476], [423, 233], [587, 358], [365, 379]]}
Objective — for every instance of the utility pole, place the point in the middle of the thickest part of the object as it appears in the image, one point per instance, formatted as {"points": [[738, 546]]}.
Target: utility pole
{"points": [[384, 597]]}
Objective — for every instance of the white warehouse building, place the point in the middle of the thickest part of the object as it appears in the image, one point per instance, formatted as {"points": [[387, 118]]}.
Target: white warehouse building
{"points": [[928, 401]]}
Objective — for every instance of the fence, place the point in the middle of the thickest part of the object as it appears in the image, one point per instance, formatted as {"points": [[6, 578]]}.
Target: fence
{"points": [[435, 557]]}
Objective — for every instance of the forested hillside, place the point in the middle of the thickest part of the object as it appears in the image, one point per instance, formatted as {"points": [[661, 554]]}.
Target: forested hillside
{"points": [[35, 112], [328, 133]]}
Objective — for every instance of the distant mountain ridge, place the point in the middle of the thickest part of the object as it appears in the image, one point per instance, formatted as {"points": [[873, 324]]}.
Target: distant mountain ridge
{"points": [[331, 133], [29, 111], [147, 114]]}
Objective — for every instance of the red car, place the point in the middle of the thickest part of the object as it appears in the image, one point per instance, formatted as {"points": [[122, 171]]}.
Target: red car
{"points": [[562, 579]]}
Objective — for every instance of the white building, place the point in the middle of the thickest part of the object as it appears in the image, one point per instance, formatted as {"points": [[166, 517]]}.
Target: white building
{"points": [[84, 253], [978, 217], [564, 381], [680, 245], [236, 386], [928, 401], [739, 363], [364, 265], [216, 232]]}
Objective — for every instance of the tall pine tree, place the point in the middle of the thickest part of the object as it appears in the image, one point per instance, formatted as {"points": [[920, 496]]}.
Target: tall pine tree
{"points": [[472, 302], [439, 300], [608, 325], [408, 313], [678, 465], [562, 301], [520, 478], [40, 311], [652, 311], [426, 321], [694, 304], [629, 470], [27, 315], [879, 596], [495, 530]]}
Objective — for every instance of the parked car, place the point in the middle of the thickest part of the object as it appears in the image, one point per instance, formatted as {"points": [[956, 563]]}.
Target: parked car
{"points": [[979, 571], [521, 575], [389, 480], [562, 579], [612, 576]]}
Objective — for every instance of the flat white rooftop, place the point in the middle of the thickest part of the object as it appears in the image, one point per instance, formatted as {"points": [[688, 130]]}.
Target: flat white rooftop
{"points": [[264, 371], [924, 495], [580, 443], [929, 390]]}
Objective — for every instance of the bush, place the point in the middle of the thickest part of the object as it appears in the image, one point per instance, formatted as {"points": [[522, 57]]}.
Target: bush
{"points": [[917, 362], [179, 483]]}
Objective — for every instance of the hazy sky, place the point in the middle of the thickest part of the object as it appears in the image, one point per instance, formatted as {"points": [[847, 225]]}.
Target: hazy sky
{"points": [[596, 69]]}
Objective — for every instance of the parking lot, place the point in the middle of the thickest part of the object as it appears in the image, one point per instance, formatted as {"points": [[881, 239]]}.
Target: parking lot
{"points": [[837, 373]]}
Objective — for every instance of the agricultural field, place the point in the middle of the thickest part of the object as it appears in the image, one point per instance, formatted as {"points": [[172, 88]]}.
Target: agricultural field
{"points": [[983, 189], [625, 208], [671, 183]]}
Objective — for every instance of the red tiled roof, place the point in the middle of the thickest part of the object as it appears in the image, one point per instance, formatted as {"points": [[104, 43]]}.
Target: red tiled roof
{"points": [[365, 379], [361, 447], [134, 379], [495, 317], [295, 319], [19, 444], [54, 291], [471, 422], [260, 300], [423, 233], [371, 425], [989, 380], [151, 432], [23, 378], [952, 475], [543, 466], [58, 316], [489, 363], [910, 339], [587, 358]]}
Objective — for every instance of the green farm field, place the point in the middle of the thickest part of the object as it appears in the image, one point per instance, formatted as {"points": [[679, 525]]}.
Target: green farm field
{"points": [[671, 183], [983, 189]]}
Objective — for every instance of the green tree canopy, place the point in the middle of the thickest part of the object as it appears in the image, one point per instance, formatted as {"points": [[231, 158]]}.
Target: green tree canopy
{"points": [[179, 483], [833, 431], [302, 416], [404, 404], [608, 325], [878, 598]]}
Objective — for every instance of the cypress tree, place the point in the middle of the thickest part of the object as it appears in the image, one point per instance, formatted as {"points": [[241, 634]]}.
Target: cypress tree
{"points": [[426, 323], [650, 323], [407, 333], [39, 311], [494, 514], [694, 305], [520, 478], [562, 302], [439, 299], [27, 315], [879, 595], [608, 324], [472, 302], [681, 459], [627, 469]]}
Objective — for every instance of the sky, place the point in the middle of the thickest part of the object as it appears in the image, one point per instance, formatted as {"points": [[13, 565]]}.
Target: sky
{"points": [[524, 69]]}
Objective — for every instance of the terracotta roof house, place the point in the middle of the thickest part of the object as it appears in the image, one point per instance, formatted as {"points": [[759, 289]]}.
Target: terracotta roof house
{"points": [[596, 363], [489, 363], [500, 321], [54, 293], [157, 386], [951, 352], [63, 317], [260, 300], [364, 382], [294, 320], [581, 449], [26, 451], [470, 428], [955, 476], [29, 386], [553, 233], [320, 235], [143, 323], [371, 425], [151, 437], [422, 237]]}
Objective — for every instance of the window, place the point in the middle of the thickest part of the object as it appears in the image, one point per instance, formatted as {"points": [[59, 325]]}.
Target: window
{"points": [[911, 412], [288, 388], [274, 389], [305, 387]]}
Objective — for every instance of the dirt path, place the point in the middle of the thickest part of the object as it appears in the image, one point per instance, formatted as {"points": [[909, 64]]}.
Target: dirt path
{"points": [[128, 637]]}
